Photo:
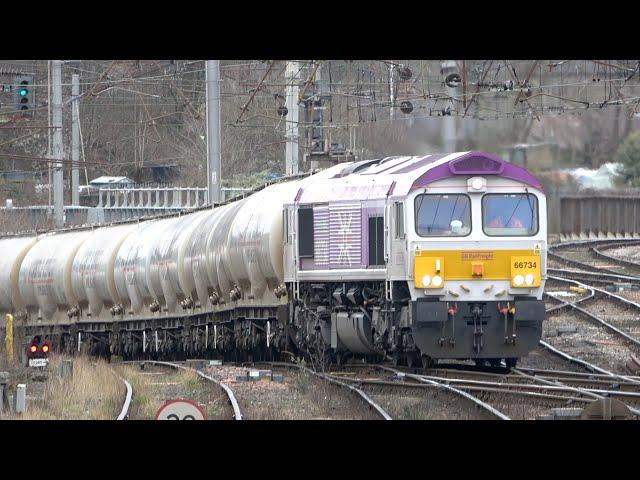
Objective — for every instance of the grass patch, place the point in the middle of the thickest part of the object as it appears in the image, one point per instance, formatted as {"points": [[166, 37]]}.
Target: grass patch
{"points": [[189, 379], [143, 404], [301, 381], [93, 392]]}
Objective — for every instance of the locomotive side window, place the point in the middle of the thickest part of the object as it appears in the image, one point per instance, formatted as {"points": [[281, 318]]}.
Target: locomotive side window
{"points": [[443, 215], [376, 241], [305, 232], [510, 214]]}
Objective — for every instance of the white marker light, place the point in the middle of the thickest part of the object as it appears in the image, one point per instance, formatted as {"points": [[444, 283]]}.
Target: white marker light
{"points": [[529, 279], [518, 280], [437, 281], [426, 280], [476, 184]]}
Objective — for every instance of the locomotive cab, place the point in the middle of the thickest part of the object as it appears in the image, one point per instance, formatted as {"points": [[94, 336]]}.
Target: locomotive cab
{"points": [[477, 265]]}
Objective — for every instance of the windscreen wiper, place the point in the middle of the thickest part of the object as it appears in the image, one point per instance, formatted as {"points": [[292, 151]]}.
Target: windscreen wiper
{"points": [[453, 212], [506, 225], [533, 213], [435, 215]]}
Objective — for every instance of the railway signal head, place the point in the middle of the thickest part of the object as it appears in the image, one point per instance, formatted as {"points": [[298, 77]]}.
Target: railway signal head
{"points": [[38, 349], [23, 92]]}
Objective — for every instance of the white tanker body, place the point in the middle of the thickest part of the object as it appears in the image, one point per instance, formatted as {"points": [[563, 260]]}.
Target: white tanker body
{"points": [[45, 275], [92, 274], [13, 252], [168, 276], [132, 266]]}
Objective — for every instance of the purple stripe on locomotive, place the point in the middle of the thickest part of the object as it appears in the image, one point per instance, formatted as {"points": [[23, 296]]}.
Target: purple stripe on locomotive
{"points": [[345, 193], [477, 163]]}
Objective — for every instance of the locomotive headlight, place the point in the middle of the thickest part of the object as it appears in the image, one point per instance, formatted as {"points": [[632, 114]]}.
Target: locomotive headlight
{"points": [[477, 184], [437, 281], [426, 280], [518, 280], [529, 279]]}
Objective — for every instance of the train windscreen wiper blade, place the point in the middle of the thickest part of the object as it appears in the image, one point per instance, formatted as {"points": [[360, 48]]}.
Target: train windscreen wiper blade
{"points": [[506, 225], [533, 213], [435, 215]]}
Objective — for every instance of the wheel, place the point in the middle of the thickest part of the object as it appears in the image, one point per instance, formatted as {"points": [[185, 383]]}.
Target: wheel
{"points": [[511, 362], [479, 362], [343, 358], [395, 359], [428, 362], [412, 360], [495, 362]]}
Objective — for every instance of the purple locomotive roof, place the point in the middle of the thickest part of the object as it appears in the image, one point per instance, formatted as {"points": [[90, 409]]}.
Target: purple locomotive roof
{"points": [[478, 163], [397, 176]]}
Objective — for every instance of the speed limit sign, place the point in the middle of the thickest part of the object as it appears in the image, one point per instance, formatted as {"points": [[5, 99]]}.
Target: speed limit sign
{"points": [[181, 410]]}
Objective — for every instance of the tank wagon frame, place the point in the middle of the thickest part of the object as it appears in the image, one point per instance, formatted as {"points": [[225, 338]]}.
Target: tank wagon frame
{"points": [[345, 262]]}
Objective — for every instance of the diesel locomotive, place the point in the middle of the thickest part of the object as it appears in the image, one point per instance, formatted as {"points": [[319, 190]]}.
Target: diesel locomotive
{"points": [[414, 258]]}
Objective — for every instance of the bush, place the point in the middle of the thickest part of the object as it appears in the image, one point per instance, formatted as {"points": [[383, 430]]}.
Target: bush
{"points": [[628, 154]]}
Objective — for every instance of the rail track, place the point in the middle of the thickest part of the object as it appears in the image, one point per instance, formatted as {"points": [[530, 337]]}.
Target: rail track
{"points": [[633, 365], [126, 405], [629, 266], [585, 256], [632, 342], [501, 396], [369, 402], [594, 277], [404, 383], [237, 413], [617, 310], [439, 383], [124, 412], [242, 396], [522, 393]]}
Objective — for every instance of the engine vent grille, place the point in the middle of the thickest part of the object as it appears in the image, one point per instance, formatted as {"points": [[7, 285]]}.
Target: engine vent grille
{"points": [[476, 165], [321, 235]]}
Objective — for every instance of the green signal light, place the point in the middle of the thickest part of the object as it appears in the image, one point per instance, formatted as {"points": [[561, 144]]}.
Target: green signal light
{"points": [[24, 92]]}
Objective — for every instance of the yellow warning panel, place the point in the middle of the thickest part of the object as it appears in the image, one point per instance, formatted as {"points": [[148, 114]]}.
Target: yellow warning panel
{"points": [[461, 264], [525, 271], [429, 272]]}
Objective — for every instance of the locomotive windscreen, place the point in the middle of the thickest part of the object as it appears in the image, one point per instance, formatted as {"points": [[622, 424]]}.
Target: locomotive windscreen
{"points": [[443, 215], [510, 214]]}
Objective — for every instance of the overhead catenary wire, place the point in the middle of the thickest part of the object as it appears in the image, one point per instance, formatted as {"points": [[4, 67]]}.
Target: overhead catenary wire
{"points": [[556, 88]]}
